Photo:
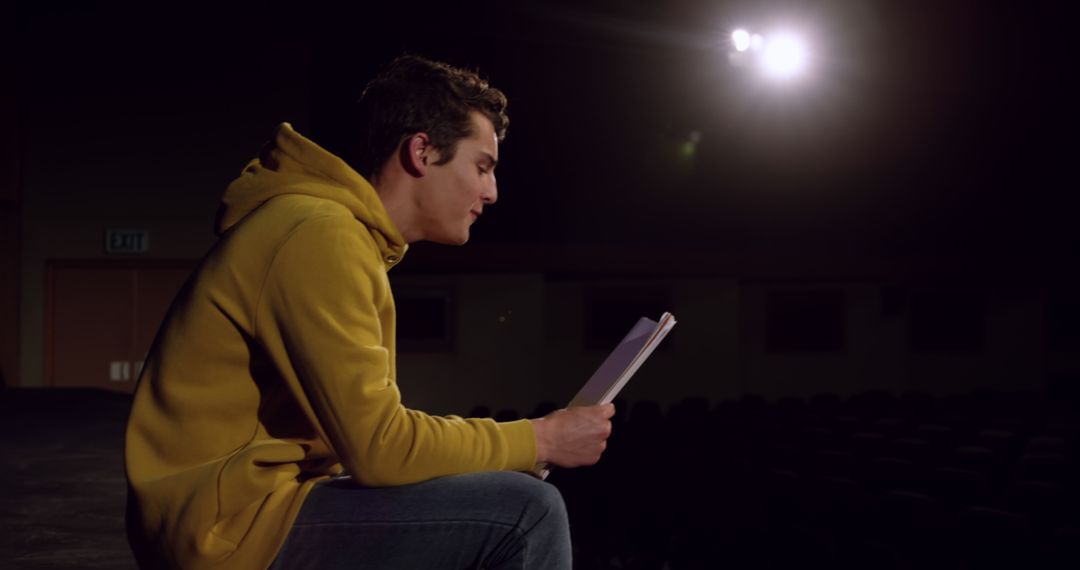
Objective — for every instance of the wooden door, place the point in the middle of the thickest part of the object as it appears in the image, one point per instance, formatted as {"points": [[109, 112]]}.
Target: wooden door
{"points": [[102, 317]]}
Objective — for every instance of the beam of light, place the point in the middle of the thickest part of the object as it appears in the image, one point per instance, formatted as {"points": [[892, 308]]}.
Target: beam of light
{"points": [[741, 39], [784, 56]]}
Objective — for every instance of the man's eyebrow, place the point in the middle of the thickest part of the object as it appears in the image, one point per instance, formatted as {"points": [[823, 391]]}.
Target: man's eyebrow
{"points": [[491, 160]]}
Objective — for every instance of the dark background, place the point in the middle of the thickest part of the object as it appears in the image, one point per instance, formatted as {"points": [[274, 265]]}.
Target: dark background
{"points": [[922, 127]]}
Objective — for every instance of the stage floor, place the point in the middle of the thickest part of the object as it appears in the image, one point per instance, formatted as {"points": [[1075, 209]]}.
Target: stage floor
{"points": [[62, 479]]}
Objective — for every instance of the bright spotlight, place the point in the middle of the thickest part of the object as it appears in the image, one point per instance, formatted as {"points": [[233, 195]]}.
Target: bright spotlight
{"points": [[785, 56], [741, 38]]}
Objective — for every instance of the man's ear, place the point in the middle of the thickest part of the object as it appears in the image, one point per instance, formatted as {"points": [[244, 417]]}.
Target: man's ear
{"points": [[415, 154]]}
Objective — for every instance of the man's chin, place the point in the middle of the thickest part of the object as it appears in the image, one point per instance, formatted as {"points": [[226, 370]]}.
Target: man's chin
{"points": [[452, 240]]}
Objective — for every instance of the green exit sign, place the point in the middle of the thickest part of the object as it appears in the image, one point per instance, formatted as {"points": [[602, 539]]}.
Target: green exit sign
{"points": [[127, 241]]}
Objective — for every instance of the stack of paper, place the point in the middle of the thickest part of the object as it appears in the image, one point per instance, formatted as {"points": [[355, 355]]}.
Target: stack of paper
{"points": [[620, 365], [624, 361]]}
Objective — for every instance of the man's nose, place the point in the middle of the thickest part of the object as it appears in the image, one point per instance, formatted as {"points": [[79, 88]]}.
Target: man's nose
{"points": [[491, 193]]}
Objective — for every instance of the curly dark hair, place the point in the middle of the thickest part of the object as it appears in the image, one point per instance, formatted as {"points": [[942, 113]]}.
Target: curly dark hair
{"points": [[414, 94]]}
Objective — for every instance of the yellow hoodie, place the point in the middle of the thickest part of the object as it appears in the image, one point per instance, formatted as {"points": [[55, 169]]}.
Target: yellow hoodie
{"points": [[275, 369]]}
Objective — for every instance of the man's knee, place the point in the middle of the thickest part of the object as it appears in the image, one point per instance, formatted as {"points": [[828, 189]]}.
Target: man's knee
{"points": [[538, 500], [548, 497]]}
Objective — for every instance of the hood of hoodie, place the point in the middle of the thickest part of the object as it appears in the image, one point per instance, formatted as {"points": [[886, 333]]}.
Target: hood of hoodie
{"points": [[291, 164]]}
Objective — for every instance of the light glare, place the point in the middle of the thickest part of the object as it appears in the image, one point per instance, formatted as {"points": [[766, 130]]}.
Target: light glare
{"points": [[784, 56], [741, 38]]}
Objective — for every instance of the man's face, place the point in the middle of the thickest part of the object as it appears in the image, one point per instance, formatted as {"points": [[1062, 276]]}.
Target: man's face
{"points": [[455, 193]]}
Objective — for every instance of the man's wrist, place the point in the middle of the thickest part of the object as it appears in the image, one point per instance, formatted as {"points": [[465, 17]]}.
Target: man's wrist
{"points": [[540, 429]]}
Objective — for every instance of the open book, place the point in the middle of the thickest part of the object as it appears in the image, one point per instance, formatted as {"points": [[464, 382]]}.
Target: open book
{"points": [[620, 365]]}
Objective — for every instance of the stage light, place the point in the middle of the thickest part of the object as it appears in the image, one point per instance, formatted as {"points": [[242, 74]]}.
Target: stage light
{"points": [[784, 56], [779, 55], [741, 39]]}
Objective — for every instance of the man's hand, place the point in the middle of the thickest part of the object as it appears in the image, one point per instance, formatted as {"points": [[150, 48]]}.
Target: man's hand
{"points": [[573, 437]]}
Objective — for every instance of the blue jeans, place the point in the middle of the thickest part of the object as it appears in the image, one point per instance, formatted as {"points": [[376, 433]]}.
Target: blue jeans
{"points": [[493, 521]]}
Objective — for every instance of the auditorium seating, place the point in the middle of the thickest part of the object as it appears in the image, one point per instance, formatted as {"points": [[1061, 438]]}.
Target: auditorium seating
{"points": [[873, 480]]}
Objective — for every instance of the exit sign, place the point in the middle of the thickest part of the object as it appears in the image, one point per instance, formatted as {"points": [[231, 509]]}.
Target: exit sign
{"points": [[127, 241]]}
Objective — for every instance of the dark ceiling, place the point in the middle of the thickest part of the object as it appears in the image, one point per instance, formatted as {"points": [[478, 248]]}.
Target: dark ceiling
{"points": [[923, 126]]}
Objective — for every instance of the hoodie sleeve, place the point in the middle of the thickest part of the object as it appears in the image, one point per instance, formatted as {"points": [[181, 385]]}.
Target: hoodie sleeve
{"points": [[320, 319]]}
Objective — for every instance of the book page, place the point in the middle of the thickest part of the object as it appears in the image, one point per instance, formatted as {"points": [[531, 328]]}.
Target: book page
{"points": [[619, 366], [607, 375]]}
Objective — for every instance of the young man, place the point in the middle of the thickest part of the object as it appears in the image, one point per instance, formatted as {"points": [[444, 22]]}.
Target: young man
{"points": [[267, 427]]}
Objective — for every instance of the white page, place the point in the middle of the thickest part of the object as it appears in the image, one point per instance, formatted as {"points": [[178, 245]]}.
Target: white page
{"points": [[661, 330], [619, 366], [598, 386]]}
